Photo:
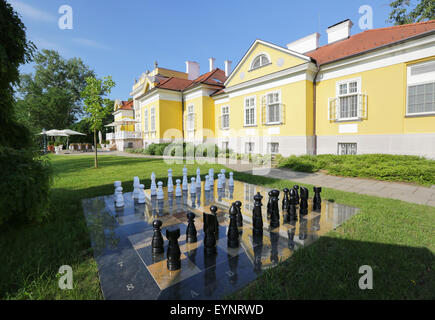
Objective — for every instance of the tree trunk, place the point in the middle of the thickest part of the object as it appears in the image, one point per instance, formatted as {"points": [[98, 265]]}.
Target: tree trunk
{"points": [[95, 146]]}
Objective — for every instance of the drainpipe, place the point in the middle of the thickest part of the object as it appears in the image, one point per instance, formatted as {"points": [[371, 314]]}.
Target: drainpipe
{"points": [[314, 111], [182, 115]]}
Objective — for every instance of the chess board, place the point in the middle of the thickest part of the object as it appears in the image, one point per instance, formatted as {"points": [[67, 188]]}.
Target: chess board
{"points": [[121, 238]]}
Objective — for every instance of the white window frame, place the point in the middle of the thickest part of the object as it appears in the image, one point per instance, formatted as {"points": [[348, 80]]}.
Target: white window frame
{"points": [[153, 119], [416, 80], [222, 117], [348, 144], [250, 107], [280, 121], [190, 123], [261, 65], [339, 95], [269, 147], [249, 143]]}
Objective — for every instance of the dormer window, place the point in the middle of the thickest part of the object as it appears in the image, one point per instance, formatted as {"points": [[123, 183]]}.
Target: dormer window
{"points": [[260, 61]]}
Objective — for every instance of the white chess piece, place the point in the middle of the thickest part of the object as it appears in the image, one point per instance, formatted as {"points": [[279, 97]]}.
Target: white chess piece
{"points": [[185, 181], [119, 198], [220, 183], [178, 192], [198, 178], [153, 184], [160, 194], [211, 176], [141, 195], [207, 183], [116, 184], [231, 181], [170, 183], [136, 184], [192, 185], [223, 176]]}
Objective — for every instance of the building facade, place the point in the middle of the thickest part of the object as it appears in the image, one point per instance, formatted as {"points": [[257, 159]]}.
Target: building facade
{"points": [[372, 92]]}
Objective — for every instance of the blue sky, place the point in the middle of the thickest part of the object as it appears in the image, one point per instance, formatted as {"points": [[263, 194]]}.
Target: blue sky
{"points": [[124, 38]]}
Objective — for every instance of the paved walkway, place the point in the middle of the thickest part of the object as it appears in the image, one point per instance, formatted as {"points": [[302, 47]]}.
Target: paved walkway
{"points": [[384, 189]]}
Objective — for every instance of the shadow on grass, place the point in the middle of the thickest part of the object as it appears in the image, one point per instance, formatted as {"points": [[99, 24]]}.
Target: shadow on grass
{"points": [[329, 269]]}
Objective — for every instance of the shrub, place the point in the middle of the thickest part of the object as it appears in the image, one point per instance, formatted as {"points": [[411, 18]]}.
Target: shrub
{"points": [[25, 186]]}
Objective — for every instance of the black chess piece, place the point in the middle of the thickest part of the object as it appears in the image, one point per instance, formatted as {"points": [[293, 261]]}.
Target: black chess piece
{"points": [[292, 206], [213, 210], [296, 187], [269, 205], [257, 217], [209, 233], [191, 234], [233, 231], [157, 242], [303, 209], [274, 217], [285, 199], [173, 253], [317, 201], [239, 219]]}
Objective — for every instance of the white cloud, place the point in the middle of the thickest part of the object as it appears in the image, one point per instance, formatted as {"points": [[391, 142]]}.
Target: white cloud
{"points": [[42, 43], [27, 11], [90, 43]]}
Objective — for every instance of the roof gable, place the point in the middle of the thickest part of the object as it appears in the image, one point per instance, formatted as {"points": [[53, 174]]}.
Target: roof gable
{"points": [[280, 58]]}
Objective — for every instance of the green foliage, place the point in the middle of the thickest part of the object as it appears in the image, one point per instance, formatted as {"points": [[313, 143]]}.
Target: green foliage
{"points": [[378, 166], [25, 186], [50, 98], [424, 10]]}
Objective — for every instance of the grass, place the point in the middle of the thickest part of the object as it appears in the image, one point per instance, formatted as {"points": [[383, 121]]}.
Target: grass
{"points": [[377, 166], [396, 238]]}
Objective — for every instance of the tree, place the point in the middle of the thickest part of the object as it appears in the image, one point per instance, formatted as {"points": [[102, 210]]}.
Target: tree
{"points": [[424, 10], [96, 106], [50, 98]]}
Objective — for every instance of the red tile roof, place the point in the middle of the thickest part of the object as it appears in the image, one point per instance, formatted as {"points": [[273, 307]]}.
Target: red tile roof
{"points": [[215, 77], [126, 105], [368, 40], [174, 83]]}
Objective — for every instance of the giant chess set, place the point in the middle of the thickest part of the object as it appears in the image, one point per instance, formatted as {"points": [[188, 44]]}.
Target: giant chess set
{"points": [[200, 240]]}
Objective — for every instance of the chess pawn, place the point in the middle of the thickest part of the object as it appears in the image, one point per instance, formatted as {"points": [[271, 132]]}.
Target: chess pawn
{"points": [[233, 231], [220, 184], [157, 241], [173, 254], [153, 187], [191, 229], [269, 205], [239, 219], [185, 181], [141, 195], [304, 201], [170, 183], [136, 184], [296, 187], [116, 184], [207, 183], [178, 192], [274, 216], [231, 180], [160, 194], [285, 199], [192, 186], [317, 201], [198, 178], [209, 233], [257, 217], [119, 198], [213, 210], [211, 176]]}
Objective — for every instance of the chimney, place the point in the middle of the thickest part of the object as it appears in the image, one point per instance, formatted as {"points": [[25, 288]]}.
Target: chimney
{"points": [[305, 44], [227, 68], [211, 63], [192, 70], [339, 31]]}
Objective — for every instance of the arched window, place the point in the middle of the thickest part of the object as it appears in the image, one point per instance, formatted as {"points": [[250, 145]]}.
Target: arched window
{"points": [[260, 61]]}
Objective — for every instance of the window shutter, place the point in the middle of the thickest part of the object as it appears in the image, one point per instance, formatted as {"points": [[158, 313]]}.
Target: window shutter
{"points": [[332, 109], [360, 106], [282, 113]]}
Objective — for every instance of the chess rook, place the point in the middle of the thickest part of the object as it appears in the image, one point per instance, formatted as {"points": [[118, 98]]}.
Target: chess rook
{"points": [[274, 217], [209, 233], [191, 229], [141, 194], [173, 254], [317, 201], [157, 241], [257, 217], [233, 231]]}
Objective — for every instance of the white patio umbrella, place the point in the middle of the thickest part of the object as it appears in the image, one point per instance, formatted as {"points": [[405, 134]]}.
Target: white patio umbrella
{"points": [[70, 132]]}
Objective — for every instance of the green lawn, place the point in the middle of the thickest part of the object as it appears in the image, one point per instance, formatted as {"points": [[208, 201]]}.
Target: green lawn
{"points": [[396, 238], [376, 166]]}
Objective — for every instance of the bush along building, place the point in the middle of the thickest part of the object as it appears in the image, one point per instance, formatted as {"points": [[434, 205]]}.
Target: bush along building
{"points": [[372, 92]]}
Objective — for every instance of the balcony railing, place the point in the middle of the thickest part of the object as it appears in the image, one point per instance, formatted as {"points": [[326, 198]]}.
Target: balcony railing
{"points": [[124, 135]]}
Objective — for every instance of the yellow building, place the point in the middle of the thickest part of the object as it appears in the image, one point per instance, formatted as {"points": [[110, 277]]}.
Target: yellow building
{"points": [[372, 92]]}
